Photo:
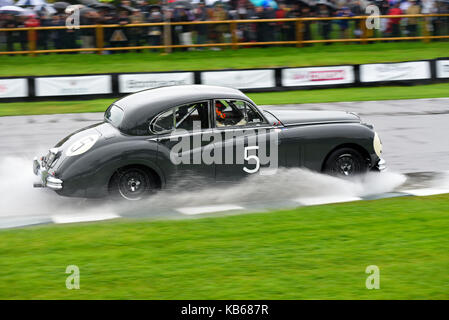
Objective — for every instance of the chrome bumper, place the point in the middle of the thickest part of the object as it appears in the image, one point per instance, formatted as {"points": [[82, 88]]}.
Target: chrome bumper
{"points": [[47, 180], [381, 165]]}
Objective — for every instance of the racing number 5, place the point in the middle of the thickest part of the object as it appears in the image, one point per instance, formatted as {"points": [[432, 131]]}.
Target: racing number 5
{"points": [[254, 157]]}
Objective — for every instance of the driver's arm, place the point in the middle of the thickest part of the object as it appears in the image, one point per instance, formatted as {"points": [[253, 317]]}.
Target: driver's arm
{"points": [[242, 122]]}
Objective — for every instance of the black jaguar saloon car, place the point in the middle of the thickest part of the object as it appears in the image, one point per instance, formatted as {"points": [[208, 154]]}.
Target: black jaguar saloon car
{"points": [[155, 138]]}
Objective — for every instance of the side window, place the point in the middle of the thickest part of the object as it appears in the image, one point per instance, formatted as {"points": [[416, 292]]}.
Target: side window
{"points": [[236, 113], [251, 114], [187, 117], [163, 122], [193, 116]]}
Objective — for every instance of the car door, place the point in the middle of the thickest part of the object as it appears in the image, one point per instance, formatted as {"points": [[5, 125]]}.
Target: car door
{"points": [[246, 143], [180, 144]]}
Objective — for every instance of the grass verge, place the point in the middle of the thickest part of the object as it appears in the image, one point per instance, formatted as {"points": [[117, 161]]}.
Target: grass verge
{"points": [[54, 64], [301, 96], [316, 252]]}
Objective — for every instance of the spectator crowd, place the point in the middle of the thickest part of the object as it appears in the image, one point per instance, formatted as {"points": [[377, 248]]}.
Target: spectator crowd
{"points": [[141, 11]]}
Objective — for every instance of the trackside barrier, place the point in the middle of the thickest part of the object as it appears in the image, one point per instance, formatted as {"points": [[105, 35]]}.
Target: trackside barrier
{"points": [[89, 86]]}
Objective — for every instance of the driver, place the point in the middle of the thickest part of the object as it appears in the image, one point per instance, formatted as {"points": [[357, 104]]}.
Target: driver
{"points": [[221, 116]]}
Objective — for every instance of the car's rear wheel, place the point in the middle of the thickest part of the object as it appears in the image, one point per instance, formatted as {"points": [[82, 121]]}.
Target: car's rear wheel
{"points": [[132, 183], [345, 162]]}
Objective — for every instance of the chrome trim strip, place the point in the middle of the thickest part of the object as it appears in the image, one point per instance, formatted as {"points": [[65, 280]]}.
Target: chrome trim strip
{"points": [[320, 122], [211, 131]]}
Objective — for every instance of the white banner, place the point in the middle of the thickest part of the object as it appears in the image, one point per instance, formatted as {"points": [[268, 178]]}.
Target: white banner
{"points": [[136, 82], [415, 70], [317, 76], [442, 68], [73, 86], [13, 88], [240, 79]]}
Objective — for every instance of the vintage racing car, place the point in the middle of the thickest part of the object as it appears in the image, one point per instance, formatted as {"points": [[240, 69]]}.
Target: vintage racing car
{"points": [[158, 137]]}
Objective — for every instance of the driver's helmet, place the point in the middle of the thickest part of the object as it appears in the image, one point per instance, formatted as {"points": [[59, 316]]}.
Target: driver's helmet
{"points": [[219, 108]]}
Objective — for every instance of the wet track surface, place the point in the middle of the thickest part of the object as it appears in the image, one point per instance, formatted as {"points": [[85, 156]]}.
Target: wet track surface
{"points": [[414, 135]]}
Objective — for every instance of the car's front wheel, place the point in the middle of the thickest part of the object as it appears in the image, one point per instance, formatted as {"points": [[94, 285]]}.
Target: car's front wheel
{"points": [[345, 162], [132, 183]]}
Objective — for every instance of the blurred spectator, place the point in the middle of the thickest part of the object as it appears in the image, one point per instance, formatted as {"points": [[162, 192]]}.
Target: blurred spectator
{"points": [[394, 26], [184, 31], [136, 34], [155, 32], [293, 12], [305, 13], [11, 36], [200, 14], [219, 30], [140, 11], [280, 27], [120, 36], [412, 23], [31, 22], [22, 35], [384, 7], [44, 35], [69, 37], [356, 10], [325, 25], [57, 35], [88, 35], [344, 24]]}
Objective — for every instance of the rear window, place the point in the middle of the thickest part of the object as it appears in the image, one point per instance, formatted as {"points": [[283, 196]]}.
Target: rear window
{"points": [[114, 115]]}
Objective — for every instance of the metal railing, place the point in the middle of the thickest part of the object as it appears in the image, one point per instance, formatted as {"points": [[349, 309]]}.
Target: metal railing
{"points": [[297, 23]]}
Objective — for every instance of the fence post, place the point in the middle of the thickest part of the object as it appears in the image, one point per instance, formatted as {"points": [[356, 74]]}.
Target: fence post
{"points": [[167, 37], [234, 38], [363, 28], [99, 31], [425, 29], [299, 33], [32, 42]]}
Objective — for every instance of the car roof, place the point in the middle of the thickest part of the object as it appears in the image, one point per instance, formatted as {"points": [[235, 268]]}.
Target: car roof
{"points": [[143, 105]]}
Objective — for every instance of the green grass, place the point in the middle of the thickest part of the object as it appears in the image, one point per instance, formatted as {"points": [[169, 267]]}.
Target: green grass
{"points": [[301, 96], [201, 60], [316, 252]]}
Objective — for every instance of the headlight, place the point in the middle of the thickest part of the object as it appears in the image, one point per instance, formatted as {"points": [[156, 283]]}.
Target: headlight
{"points": [[81, 146], [377, 145]]}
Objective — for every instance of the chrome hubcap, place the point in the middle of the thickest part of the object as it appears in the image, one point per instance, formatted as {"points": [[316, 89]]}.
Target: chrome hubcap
{"points": [[345, 164], [133, 184]]}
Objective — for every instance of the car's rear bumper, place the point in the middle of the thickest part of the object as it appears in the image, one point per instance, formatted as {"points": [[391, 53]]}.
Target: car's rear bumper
{"points": [[46, 180]]}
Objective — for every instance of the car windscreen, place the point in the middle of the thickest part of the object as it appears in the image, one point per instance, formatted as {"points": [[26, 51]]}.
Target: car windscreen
{"points": [[114, 115]]}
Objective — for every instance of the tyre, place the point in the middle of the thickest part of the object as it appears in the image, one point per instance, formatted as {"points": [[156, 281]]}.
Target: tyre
{"points": [[131, 183], [345, 162]]}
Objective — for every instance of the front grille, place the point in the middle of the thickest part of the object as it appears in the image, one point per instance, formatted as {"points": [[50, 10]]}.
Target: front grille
{"points": [[50, 158]]}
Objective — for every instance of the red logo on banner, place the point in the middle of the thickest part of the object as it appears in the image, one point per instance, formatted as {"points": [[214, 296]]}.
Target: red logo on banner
{"points": [[324, 75], [327, 75]]}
